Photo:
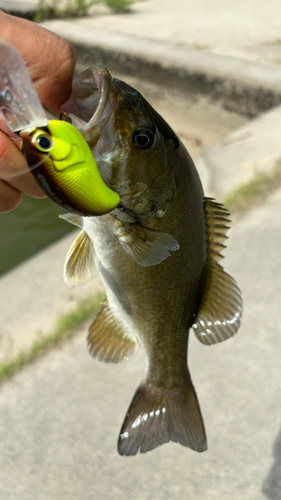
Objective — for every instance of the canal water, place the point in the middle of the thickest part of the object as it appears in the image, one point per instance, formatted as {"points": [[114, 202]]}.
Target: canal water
{"points": [[35, 223], [27, 229]]}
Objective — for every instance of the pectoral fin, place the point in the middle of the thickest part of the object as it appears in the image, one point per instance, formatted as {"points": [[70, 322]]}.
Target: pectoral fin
{"points": [[220, 312], [107, 340], [80, 266], [146, 246]]}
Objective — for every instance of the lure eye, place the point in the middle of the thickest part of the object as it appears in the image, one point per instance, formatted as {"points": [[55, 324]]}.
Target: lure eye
{"points": [[44, 143], [143, 139]]}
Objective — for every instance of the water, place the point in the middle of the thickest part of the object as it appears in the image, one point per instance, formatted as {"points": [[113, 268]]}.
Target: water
{"points": [[28, 229]]}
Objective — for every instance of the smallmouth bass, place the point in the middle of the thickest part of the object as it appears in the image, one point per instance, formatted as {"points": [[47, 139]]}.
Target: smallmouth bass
{"points": [[158, 259]]}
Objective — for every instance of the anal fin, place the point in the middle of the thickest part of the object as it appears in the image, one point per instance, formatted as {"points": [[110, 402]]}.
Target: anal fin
{"points": [[220, 311], [158, 415], [107, 339]]}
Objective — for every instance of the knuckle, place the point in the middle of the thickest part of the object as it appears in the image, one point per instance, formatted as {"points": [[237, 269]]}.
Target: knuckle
{"points": [[66, 58], [55, 82], [11, 158], [68, 52], [13, 202]]}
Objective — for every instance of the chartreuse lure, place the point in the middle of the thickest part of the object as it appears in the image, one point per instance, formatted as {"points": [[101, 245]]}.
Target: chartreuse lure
{"points": [[56, 152], [66, 169]]}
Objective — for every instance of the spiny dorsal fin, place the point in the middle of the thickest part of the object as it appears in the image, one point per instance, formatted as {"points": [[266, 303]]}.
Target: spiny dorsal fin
{"points": [[107, 339], [220, 312], [79, 266], [158, 415], [146, 246]]}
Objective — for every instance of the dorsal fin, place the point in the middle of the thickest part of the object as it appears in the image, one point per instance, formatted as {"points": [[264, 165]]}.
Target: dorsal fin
{"points": [[220, 311], [79, 266], [107, 340]]}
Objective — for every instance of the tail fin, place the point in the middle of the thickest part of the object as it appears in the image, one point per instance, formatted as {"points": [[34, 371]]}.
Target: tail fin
{"points": [[158, 415]]}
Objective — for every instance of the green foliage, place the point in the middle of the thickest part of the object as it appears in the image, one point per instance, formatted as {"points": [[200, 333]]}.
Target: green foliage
{"points": [[119, 5], [50, 9], [251, 194], [85, 310]]}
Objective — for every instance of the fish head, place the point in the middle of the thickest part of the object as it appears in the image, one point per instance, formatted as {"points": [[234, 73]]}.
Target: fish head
{"points": [[118, 149], [132, 145]]}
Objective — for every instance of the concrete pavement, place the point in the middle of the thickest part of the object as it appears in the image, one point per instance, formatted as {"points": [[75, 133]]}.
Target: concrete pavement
{"points": [[242, 85], [34, 297], [61, 415], [243, 30], [242, 154], [231, 53]]}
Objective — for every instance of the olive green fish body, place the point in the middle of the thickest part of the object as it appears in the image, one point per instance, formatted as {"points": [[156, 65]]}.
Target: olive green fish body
{"points": [[159, 264], [158, 305], [66, 169]]}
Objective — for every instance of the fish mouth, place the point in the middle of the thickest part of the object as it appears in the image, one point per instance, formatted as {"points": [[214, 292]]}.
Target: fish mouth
{"points": [[106, 125], [91, 92]]}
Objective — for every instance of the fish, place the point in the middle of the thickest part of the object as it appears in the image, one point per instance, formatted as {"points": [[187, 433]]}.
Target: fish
{"points": [[158, 256]]}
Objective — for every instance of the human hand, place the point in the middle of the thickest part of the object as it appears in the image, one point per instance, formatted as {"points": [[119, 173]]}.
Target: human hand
{"points": [[50, 61]]}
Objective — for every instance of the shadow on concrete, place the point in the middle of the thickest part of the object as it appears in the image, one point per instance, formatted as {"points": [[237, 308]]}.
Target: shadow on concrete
{"points": [[272, 484]]}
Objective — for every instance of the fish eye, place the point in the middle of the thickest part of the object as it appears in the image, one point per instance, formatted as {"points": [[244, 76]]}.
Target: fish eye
{"points": [[43, 142], [143, 139]]}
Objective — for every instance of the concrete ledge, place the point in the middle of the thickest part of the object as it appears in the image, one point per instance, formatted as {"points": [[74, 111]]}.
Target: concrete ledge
{"points": [[238, 157], [19, 8], [247, 87]]}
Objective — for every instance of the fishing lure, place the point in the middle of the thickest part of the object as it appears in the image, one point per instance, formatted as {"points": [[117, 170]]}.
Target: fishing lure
{"points": [[56, 151]]}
